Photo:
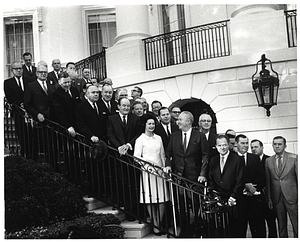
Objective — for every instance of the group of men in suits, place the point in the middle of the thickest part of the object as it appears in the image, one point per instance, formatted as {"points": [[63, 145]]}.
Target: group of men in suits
{"points": [[198, 156]]}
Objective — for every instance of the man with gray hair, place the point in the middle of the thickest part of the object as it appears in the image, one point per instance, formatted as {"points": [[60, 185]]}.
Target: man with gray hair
{"points": [[187, 156]]}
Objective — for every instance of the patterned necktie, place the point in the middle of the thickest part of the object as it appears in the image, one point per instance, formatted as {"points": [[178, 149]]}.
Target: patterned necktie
{"points": [[95, 108], [44, 87], [184, 143]]}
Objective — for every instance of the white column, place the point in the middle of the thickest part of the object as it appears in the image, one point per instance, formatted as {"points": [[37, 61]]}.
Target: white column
{"points": [[132, 22]]}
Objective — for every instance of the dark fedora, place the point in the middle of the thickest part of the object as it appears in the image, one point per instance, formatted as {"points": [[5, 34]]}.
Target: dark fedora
{"points": [[99, 150]]}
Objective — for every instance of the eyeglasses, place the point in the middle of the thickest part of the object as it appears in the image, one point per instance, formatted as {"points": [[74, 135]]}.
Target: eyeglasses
{"points": [[134, 90], [42, 72], [17, 68], [176, 112], [207, 121]]}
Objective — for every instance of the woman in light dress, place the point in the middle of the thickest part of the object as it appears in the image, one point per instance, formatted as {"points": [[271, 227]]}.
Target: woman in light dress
{"points": [[153, 190]]}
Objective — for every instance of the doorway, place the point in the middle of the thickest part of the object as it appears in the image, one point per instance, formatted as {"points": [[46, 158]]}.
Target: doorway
{"points": [[196, 107]]}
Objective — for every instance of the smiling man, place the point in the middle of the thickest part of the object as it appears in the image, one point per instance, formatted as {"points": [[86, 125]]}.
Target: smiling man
{"points": [[187, 156]]}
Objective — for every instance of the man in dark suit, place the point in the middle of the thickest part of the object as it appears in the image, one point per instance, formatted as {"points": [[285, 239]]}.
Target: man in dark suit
{"points": [[76, 82], [165, 128], [37, 102], [282, 186], [252, 194], [53, 76], [205, 122], [29, 71], [90, 120], [257, 148], [122, 131], [227, 177], [65, 99], [86, 75], [187, 156], [107, 105], [14, 93], [91, 123]]}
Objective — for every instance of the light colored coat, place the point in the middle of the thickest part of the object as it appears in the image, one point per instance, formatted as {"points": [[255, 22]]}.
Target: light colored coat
{"points": [[284, 181]]}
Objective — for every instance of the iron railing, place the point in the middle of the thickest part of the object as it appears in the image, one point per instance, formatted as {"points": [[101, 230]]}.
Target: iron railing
{"points": [[192, 44], [291, 26], [96, 63], [124, 182]]}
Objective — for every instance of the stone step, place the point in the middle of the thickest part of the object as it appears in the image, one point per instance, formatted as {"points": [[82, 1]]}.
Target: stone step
{"points": [[93, 203], [135, 230]]}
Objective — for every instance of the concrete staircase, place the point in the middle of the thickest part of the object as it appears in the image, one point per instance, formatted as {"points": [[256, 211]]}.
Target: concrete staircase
{"points": [[133, 230]]}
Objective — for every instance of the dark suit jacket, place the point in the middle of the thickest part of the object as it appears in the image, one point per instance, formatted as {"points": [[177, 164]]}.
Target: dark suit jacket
{"points": [[64, 107], [194, 162], [284, 182], [231, 182], [119, 135], [13, 93], [105, 112], [53, 79], [36, 101], [159, 130], [254, 171], [78, 83], [88, 121], [212, 145], [31, 76]]}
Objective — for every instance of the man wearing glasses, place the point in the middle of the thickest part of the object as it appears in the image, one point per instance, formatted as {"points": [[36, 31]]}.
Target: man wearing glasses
{"points": [[14, 93], [175, 111], [205, 122], [37, 100]]}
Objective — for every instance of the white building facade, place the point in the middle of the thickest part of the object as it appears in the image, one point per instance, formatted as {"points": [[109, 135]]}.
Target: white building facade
{"points": [[224, 84]]}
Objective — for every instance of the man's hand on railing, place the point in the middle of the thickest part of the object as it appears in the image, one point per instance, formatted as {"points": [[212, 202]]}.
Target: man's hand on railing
{"points": [[71, 131], [94, 139], [201, 179], [231, 201], [123, 149], [40, 117], [167, 169]]}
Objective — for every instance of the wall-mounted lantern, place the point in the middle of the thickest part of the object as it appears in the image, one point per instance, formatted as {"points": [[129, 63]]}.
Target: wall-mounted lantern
{"points": [[265, 85]]}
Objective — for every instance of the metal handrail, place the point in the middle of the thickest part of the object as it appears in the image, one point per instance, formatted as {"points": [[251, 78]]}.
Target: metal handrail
{"points": [[72, 157], [186, 45]]}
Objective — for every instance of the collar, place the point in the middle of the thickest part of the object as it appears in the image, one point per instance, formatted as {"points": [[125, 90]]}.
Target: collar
{"points": [[225, 156], [121, 116], [188, 133], [91, 103]]}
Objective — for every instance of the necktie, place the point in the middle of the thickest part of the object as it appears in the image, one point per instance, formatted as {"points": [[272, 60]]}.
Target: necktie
{"points": [[124, 120], [95, 107], [168, 131], [222, 164], [279, 163], [184, 143], [243, 156], [29, 70], [19, 83], [44, 87], [108, 106]]}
